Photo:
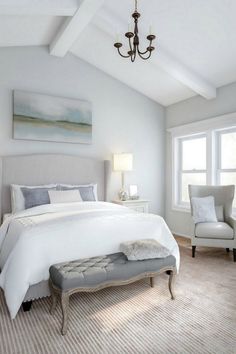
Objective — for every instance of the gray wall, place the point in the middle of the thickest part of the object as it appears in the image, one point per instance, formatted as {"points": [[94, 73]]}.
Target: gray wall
{"points": [[123, 119], [191, 110]]}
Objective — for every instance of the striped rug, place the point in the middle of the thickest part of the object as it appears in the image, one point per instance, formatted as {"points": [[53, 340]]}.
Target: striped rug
{"points": [[136, 318]]}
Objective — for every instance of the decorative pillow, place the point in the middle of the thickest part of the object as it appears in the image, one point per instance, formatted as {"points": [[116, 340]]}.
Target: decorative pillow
{"points": [[203, 209], [88, 192], [143, 249], [36, 196], [17, 197], [220, 213], [69, 196]]}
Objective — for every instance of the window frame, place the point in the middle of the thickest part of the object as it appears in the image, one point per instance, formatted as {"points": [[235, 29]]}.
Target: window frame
{"points": [[219, 134], [180, 171], [212, 127]]}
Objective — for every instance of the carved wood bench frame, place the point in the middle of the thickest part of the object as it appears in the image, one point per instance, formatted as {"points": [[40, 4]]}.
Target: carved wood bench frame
{"points": [[65, 295]]}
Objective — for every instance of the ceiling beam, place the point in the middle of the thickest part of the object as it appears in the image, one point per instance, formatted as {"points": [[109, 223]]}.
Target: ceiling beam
{"points": [[38, 8], [183, 74], [72, 27], [162, 59]]}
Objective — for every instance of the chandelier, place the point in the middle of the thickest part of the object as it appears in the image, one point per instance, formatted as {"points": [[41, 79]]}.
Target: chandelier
{"points": [[133, 40]]}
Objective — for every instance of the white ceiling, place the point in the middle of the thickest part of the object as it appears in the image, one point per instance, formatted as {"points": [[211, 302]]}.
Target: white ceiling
{"points": [[196, 46]]}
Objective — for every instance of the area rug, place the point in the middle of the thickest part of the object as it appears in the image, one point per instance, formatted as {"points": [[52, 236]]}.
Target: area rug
{"points": [[138, 319]]}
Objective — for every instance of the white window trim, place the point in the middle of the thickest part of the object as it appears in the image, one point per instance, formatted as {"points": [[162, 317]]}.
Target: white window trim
{"points": [[180, 170], [212, 127]]}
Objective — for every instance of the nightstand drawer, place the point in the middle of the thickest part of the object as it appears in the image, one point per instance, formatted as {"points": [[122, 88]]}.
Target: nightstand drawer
{"points": [[141, 206], [140, 209]]}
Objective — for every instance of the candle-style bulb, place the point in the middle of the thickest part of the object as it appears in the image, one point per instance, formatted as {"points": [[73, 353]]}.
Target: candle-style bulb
{"points": [[151, 30], [117, 37]]}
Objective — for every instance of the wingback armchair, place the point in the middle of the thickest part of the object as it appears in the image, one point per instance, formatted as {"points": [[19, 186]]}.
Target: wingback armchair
{"points": [[215, 234]]}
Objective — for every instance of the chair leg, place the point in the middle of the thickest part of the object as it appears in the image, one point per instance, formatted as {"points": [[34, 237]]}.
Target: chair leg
{"points": [[26, 306], [193, 251], [227, 250], [234, 253]]}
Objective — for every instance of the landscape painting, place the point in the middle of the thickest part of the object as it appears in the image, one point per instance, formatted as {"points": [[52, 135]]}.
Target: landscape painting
{"points": [[48, 118]]}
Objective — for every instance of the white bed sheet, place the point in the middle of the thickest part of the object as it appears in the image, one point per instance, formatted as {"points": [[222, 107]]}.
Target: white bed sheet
{"points": [[34, 239]]}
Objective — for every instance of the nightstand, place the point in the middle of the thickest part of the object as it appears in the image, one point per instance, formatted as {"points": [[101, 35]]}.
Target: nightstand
{"points": [[139, 205]]}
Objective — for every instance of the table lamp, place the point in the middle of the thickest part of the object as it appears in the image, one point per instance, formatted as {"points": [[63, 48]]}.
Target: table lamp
{"points": [[122, 163]]}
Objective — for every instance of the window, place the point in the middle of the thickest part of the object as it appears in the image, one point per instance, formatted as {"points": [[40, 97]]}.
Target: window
{"points": [[227, 158], [208, 157], [192, 165]]}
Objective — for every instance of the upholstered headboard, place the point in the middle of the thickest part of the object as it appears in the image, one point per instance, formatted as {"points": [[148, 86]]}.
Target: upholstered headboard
{"points": [[49, 168]]}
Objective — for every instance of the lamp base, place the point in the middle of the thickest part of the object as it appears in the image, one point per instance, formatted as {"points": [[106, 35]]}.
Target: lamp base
{"points": [[123, 195]]}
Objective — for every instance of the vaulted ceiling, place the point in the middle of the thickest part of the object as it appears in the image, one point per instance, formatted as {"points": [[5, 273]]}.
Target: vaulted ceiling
{"points": [[196, 44]]}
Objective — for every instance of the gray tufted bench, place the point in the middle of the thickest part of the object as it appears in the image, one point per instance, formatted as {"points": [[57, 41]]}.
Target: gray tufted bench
{"points": [[92, 274]]}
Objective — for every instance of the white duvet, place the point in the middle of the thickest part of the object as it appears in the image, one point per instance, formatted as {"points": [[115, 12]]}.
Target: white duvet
{"points": [[32, 240]]}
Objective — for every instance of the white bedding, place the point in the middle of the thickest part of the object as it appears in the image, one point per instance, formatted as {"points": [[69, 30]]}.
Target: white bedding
{"points": [[34, 239]]}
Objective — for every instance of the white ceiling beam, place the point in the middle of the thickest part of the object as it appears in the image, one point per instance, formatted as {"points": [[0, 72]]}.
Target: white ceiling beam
{"points": [[184, 75], [37, 11], [72, 27], [38, 8], [162, 59]]}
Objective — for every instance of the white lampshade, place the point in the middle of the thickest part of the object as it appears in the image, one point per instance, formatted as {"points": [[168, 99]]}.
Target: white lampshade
{"points": [[122, 162]]}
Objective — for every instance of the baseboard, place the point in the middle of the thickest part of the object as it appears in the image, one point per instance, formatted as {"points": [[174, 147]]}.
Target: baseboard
{"points": [[180, 234]]}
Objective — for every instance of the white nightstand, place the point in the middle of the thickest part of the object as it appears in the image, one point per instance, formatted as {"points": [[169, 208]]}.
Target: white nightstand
{"points": [[139, 205]]}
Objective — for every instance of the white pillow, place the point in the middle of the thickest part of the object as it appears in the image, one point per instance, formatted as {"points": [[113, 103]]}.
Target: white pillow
{"points": [[94, 185], [203, 209], [70, 196], [17, 197]]}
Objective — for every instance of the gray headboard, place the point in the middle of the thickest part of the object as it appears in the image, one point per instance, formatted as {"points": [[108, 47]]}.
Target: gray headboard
{"points": [[49, 168]]}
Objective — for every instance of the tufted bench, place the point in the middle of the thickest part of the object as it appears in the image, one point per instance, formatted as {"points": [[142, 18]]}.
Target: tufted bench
{"points": [[92, 274]]}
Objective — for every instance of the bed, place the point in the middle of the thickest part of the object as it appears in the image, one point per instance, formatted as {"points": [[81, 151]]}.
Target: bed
{"points": [[106, 219]]}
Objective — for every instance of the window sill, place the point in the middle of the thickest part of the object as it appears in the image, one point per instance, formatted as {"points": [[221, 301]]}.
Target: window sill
{"points": [[180, 208]]}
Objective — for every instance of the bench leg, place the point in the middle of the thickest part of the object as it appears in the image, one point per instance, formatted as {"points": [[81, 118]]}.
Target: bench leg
{"points": [[152, 282], [54, 301], [171, 284], [65, 309]]}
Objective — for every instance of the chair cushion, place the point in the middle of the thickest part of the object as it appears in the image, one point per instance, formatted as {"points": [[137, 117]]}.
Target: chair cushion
{"points": [[219, 230], [91, 272]]}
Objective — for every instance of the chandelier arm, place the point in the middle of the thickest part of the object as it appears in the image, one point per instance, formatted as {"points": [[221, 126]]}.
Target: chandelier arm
{"points": [[150, 44], [145, 58], [142, 53], [122, 55]]}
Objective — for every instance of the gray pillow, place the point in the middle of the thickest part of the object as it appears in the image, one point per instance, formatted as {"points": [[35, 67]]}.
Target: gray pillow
{"points": [[143, 249], [86, 192], [36, 196]]}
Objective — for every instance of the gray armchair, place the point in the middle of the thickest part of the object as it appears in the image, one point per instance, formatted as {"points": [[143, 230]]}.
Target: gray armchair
{"points": [[215, 234]]}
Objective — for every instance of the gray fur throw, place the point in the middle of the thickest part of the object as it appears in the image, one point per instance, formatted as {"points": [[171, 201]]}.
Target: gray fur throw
{"points": [[143, 249]]}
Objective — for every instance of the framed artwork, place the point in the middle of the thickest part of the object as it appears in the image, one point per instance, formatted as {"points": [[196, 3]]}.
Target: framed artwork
{"points": [[48, 118], [133, 191]]}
